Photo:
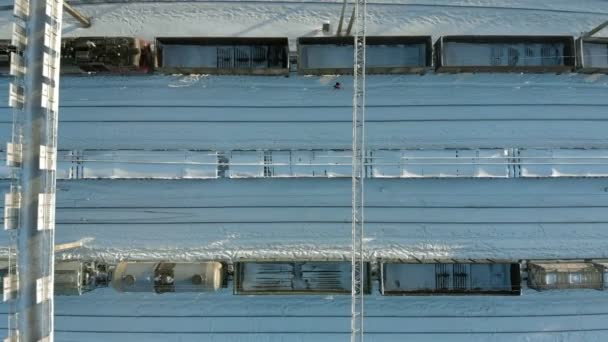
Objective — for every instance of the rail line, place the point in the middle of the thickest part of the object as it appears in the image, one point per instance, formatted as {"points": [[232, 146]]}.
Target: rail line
{"points": [[329, 316], [178, 332], [321, 331], [335, 121], [400, 105], [336, 207], [338, 3], [145, 223]]}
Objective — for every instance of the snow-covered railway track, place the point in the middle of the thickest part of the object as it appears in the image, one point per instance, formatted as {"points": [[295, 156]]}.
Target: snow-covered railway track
{"points": [[516, 218], [421, 5], [334, 316], [375, 325], [557, 133]]}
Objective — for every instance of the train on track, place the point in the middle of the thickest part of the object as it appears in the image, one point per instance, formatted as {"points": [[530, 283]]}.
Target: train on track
{"points": [[388, 277], [326, 55]]}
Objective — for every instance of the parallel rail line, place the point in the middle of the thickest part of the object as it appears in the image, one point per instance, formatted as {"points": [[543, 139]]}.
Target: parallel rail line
{"points": [[338, 3]]}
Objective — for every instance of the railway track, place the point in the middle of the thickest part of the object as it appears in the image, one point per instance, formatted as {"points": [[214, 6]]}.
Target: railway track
{"points": [[331, 325], [338, 3]]}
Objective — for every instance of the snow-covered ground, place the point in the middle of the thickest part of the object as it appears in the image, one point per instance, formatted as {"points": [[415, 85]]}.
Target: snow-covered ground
{"points": [[229, 218], [431, 111], [463, 218], [295, 18], [578, 316], [515, 218]]}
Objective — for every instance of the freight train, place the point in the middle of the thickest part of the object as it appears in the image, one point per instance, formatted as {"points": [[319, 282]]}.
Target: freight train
{"points": [[386, 277], [327, 55]]}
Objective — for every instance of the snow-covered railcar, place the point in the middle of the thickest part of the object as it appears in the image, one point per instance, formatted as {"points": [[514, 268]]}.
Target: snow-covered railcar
{"points": [[570, 274], [602, 265], [75, 277], [72, 277], [295, 277], [592, 55], [534, 54], [161, 277], [223, 55], [450, 277], [384, 55], [122, 55]]}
